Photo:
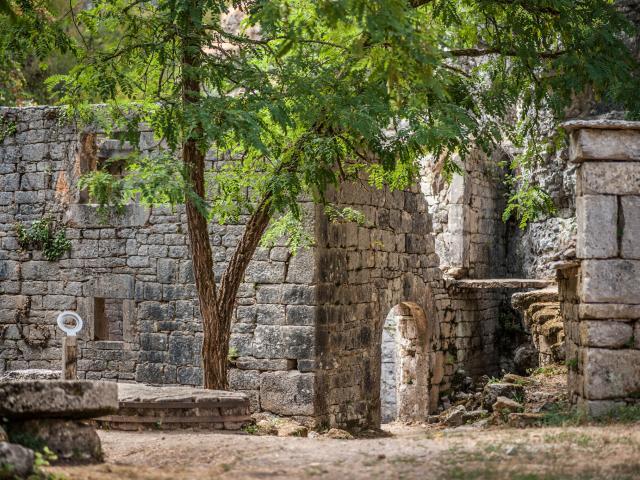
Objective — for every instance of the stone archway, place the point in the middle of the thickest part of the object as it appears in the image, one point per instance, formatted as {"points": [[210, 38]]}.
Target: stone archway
{"points": [[404, 372]]}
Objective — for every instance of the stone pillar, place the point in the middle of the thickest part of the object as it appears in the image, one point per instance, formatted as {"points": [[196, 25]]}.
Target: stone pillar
{"points": [[601, 293]]}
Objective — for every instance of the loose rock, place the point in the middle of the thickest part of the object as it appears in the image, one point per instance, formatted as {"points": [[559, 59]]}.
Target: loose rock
{"points": [[338, 434], [473, 416], [504, 404], [524, 420], [453, 417], [492, 391], [17, 459], [292, 429]]}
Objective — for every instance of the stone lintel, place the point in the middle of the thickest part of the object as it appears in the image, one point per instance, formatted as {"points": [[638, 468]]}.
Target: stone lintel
{"points": [[601, 140]]}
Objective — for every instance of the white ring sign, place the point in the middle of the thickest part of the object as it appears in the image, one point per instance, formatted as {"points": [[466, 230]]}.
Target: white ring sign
{"points": [[70, 331]]}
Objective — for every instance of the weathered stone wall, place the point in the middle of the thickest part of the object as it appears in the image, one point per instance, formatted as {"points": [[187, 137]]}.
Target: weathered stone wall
{"points": [[139, 261], [307, 329], [601, 294]]}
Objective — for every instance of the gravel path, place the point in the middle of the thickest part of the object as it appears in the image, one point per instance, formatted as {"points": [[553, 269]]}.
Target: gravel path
{"points": [[407, 453]]}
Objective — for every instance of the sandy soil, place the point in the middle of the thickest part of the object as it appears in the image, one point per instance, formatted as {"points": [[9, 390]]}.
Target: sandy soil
{"points": [[611, 452]]}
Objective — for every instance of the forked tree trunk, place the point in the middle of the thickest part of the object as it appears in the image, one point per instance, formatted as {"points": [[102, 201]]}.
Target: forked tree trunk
{"points": [[216, 308]]}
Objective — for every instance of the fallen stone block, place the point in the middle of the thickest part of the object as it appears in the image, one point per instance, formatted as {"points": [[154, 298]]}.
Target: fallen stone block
{"points": [[57, 399], [492, 391], [474, 416], [506, 405], [16, 461], [524, 420], [453, 417]]}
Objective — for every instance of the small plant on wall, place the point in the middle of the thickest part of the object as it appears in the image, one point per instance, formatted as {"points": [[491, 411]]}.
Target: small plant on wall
{"points": [[44, 235]]}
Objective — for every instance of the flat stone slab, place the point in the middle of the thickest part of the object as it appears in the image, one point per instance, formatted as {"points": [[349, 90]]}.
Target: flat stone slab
{"points": [[510, 283], [30, 374], [177, 407], [142, 393], [57, 399]]}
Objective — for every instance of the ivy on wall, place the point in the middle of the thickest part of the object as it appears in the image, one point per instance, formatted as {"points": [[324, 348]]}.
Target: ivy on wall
{"points": [[44, 235]]}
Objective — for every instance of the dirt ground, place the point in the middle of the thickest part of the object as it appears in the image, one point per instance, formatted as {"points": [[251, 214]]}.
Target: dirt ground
{"points": [[611, 452]]}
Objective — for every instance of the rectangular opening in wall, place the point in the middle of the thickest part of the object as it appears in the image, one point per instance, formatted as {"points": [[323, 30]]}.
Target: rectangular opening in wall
{"points": [[108, 316]]}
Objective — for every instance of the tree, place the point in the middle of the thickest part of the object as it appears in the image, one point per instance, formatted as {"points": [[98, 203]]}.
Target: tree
{"points": [[329, 91]]}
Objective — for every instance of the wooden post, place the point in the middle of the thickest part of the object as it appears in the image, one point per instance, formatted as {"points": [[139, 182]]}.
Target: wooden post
{"points": [[70, 358]]}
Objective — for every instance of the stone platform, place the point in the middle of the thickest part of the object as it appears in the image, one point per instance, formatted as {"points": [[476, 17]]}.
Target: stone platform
{"points": [[176, 407]]}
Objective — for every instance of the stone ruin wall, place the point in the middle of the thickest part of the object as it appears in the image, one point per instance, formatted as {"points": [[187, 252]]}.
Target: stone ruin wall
{"points": [[307, 329], [141, 261], [600, 292]]}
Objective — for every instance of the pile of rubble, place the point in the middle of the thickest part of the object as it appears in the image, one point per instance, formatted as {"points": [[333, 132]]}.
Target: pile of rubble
{"points": [[514, 400], [52, 414]]}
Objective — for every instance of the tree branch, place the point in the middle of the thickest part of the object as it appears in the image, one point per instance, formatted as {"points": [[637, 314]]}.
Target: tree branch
{"points": [[481, 52]]}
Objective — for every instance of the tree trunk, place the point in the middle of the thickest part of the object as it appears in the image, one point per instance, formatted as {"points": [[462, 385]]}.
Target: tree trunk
{"points": [[215, 346], [216, 309]]}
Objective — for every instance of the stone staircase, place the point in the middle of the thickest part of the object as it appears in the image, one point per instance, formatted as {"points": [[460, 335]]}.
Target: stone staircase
{"points": [[541, 312]]}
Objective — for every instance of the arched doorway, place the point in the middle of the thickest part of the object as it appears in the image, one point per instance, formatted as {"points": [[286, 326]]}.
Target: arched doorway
{"points": [[404, 372]]}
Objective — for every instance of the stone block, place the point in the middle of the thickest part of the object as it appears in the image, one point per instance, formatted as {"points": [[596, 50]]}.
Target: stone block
{"points": [[611, 374], [57, 398], [610, 281], [301, 267], [149, 373], [113, 286], [271, 341], [597, 223], [72, 441], [604, 144], [630, 245], [19, 458], [244, 379], [183, 350], [603, 334], [287, 393], [609, 178], [166, 270], [303, 315], [265, 272], [608, 311], [262, 364], [270, 314], [189, 375]]}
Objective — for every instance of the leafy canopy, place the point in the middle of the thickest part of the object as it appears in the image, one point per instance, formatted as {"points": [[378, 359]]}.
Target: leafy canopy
{"points": [[305, 94]]}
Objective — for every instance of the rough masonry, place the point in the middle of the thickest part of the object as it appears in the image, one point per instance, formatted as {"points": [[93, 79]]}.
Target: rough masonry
{"points": [[307, 332]]}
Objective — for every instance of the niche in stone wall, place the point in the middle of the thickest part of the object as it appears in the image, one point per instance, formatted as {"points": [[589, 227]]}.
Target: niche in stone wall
{"points": [[404, 372], [108, 314], [108, 308]]}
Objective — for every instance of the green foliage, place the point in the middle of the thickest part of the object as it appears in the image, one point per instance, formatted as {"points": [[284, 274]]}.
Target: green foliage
{"points": [[36, 41], [45, 235], [7, 128], [527, 203], [566, 416], [330, 91]]}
